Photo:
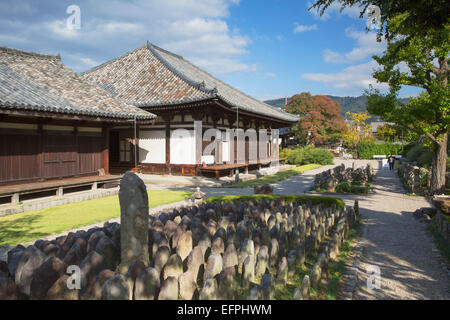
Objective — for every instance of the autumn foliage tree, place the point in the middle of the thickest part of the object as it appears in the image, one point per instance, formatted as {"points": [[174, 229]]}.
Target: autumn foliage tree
{"points": [[320, 118], [358, 130]]}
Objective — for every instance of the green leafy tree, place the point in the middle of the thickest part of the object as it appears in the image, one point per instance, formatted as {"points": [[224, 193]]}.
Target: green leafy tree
{"points": [[417, 36]]}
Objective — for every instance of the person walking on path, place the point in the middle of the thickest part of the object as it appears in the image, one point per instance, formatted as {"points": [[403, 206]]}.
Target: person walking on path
{"points": [[391, 161]]}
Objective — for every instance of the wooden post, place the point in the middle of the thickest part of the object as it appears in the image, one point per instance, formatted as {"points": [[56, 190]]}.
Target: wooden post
{"points": [[105, 131], [167, 120]]}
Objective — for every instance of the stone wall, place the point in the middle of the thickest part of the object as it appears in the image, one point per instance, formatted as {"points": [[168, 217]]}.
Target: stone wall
{"points": [[203, 251], [329, 179], [416, 179]]}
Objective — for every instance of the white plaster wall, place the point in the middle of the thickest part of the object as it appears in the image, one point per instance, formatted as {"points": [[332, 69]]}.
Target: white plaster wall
{"points": [[182, 147], [152, 146]]}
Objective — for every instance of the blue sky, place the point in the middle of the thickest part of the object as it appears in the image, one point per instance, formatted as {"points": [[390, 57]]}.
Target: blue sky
{"points": [[268, 49]]}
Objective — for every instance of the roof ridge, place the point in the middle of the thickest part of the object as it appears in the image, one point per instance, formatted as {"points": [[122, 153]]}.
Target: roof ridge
{"points": [[225, 84], [111, 61], [30, 53], [198, 85]]}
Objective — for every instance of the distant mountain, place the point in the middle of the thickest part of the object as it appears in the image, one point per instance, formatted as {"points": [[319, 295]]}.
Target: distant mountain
{"points": [[348, 104]]}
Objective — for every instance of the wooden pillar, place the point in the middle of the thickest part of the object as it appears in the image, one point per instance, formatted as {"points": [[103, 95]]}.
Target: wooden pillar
{"points": [[105, 132], [167, 121], [137, 145], [41, 152]]}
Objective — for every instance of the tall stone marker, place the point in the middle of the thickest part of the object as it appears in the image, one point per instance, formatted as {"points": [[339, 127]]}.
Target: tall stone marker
{"points": [[134, 221]]}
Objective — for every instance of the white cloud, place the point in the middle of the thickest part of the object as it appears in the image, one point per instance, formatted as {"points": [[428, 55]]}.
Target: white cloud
{"points": [[196, 29], [280, 37], [334, 10], [367, 46], [302, 28], [270, 75], [353, 79]]}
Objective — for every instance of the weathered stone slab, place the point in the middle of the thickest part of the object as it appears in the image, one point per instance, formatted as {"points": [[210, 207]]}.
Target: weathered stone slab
{"points": [[187, 285], [173, 267], [213, 266], [147, 285], [116, 288], [134, 219], [45, 276], [169, 289], [210, 290]]}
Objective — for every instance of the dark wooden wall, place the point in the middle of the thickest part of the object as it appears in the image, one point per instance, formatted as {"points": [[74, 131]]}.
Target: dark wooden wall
{"points": [[35, 156]]}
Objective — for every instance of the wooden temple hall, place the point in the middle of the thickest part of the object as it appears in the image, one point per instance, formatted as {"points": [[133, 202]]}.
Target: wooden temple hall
{"points": [[180, 93], [61, 130]]}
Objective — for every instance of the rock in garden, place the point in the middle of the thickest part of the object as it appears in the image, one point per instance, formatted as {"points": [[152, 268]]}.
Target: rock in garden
{"points": [[161, 257], [147, 285], [133, 221], [8, 289], [315, 276], [75, 255], [254, 294], [29, 262], [169, 289], [90, 267], [173, 267], [230, 257], [44, 277], [267, 287], [13, 259], [184, 245], [247, 249], [108, 250], [262, 261], [95, 293], [274, 253], [195, 260], [60, 291], [213, 266], [297, 294], [116, 288], [204, 243], [282, 272], [248, 271], [94, 239], [217, 246], [187, 285], [227, 283], [210, 290], [306, 287]]}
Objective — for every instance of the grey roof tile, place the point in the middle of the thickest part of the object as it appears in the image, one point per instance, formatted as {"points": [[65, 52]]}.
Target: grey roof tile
{"points": [[151, 76], [39, 82]]}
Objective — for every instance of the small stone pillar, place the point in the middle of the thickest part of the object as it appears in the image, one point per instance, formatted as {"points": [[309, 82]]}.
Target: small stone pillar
{"points": [[134, 219], [198, 196]]}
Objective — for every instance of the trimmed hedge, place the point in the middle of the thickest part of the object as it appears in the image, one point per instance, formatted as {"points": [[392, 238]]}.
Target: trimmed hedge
{"points": [[419, 153], [367, 150], [307, 155], [328, 201]]}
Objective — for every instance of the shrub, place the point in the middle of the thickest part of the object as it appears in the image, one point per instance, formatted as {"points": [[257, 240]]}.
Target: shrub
{"points": [[367, 150], [343, 186], [315, 200], [309, 155], [419, 153], [359, 189]]}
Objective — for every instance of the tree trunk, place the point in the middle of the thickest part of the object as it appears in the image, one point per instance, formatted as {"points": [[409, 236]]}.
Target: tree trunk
{"points": [[439, 166]]}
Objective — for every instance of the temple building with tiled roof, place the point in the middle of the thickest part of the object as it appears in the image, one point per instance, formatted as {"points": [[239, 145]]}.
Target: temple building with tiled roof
{"points": [[179, 93], [53, 124]]}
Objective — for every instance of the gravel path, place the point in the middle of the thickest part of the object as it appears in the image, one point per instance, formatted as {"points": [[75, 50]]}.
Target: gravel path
{"points": [[410, 264]]}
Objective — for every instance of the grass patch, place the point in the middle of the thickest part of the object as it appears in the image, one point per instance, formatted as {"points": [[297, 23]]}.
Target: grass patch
{"points": [[442, 245], [328, 201], [277, 176], [27, 226]]}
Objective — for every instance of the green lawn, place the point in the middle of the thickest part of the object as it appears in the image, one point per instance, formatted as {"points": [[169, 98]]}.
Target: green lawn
{"points": [[27, 226], [277, 176]]}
